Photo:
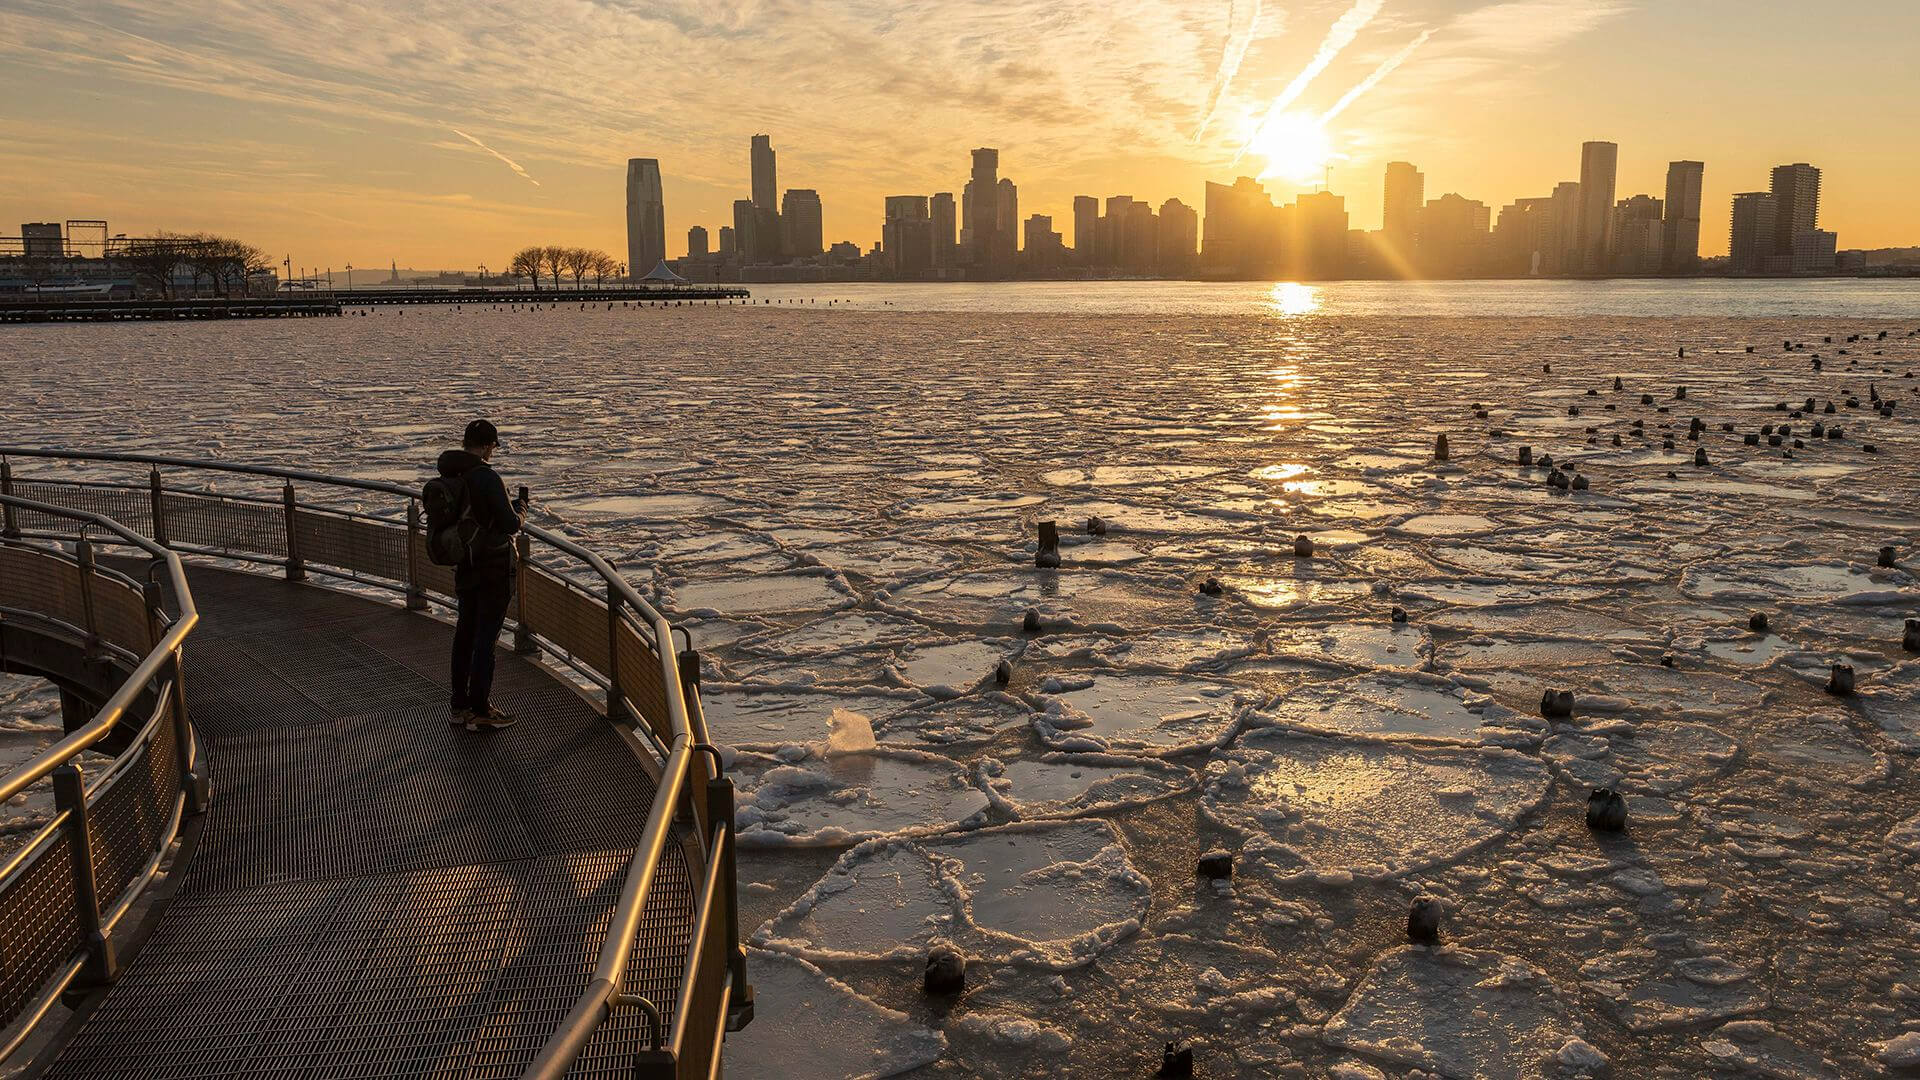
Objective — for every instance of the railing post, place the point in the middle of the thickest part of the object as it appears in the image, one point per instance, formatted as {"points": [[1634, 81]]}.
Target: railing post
{"points": [[740, 999], [83, 557], [522, 548], [296, 570], [9, 526], [195, 783], [416, 595], [159, 507], [616, 701], [70, 796]]}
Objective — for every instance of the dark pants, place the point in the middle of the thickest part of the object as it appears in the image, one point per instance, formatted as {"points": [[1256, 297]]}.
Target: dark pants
{"points": [[483, 609]]}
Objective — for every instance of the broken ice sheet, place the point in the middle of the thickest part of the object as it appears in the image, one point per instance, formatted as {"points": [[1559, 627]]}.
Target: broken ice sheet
{"points": [[1390, 706], [839, 798], [796, 1003], [1649, 991], [1334, 807], [1062, 785], [775, 715], [1164, 713]]}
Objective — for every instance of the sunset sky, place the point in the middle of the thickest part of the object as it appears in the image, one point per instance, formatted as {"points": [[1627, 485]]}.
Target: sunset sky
{"points": [[446, 133]]}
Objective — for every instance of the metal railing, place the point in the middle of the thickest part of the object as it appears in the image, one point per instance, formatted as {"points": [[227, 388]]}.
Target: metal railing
{"points": [[569, 603], [64, 893]]}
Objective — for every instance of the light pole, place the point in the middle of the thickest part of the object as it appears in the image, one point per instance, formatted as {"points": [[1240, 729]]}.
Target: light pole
{"points": [[483, 275], [349, 277]]}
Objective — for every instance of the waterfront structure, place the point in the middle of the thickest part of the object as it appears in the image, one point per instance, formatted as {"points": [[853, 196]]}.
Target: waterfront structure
{"points": [[646, 217], [1639, 235], [1680, 233], [1599, 162], [697, 242], [943, 212], [1813, 251], [1755, 219], [1401, 203], [42, 240], [800, 221]]}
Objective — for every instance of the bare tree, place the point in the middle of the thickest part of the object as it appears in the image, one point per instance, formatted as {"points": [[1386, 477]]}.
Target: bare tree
{"points": [[604, 265], [578, 261], [158, 258], [555, 259], [526, 263]]}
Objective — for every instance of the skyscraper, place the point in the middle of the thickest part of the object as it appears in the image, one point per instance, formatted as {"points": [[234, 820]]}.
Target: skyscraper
{"points": [[1681, 229], [764, 187], [941, 209], [1454, 234], [800, 217], [1179, 233], [1599, 161], [1755, 219], [983, 206], [746, 230], [1044, 250], [1086, 229], [906, 235], [1006, 215], [1639, 235], [1796, 198], [1406, 189], [646, 217], [697, 242], [726, 241], [1564, 255]]}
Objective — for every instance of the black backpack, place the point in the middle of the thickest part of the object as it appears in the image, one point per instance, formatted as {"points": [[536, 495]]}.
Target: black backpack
{"points": [[451, 526]]}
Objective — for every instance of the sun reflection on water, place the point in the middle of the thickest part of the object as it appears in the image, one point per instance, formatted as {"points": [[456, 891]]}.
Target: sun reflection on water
{"points": [[1290, 298]]}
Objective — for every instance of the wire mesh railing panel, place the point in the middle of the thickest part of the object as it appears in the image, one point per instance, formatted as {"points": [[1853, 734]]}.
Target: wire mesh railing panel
{"points": [[130, 506], [120, 616], [640, 679], [39, 923], [428, 575], [41, 581], [573, 621], [705, 1015], [129, 816], [224, 523], [357, 544]]}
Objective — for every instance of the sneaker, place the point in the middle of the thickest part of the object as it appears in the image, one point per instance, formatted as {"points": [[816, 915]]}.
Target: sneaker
{"points": [[490, 720], [459, 717]]}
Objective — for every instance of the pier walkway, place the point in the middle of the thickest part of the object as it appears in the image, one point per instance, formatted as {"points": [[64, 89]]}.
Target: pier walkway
{"points": [[360, 888]]}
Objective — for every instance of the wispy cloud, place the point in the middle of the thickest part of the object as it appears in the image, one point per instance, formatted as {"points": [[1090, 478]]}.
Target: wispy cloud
{"points": [[509, 162], [1231, 54], [1339, 36], [1385, 69]]}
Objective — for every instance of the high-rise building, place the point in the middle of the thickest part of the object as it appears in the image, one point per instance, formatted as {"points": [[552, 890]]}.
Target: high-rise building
{"points": [[697, 242], [1796, 197], [1599, 162], [646, 217], [1044, 251], [1523, 237], [1006, 211], [941, 209], [726, 241], [1110, 232], [41, 240], [1240, 230], [1086, 230], [1317, 242], [1680, 232], [1454, 235], [1813, 251], [1756, 215], [1566, 210], [983, 207], [906, 234], [1639, 235], [764, 188], [747, 241], [1406, 189], [1178, 236], [800, 220]]}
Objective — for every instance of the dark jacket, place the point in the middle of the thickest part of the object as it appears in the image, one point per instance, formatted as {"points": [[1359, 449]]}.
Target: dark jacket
{"points": [[492, 556]]}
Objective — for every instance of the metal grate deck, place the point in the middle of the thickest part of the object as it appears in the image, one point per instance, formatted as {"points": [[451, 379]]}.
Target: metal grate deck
{"points": [[376, 893]]}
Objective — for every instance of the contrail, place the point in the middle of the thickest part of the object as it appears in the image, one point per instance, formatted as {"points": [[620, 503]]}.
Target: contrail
{"points": [[510, 163], [1231, 54], [1379, 73], [1344, 30]]}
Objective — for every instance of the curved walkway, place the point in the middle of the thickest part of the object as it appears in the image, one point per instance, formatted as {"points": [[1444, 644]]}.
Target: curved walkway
{"points": [[375, 892]]}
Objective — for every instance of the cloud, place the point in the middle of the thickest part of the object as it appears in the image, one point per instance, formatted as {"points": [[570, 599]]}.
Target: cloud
{"points": [[1339, 36], [510, 163], [1232, 52], [1524, 26], [1385, 69]]}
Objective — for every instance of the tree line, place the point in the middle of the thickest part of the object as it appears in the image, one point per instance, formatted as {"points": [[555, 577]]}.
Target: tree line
{"points": [[221, 260], [578, 263]]}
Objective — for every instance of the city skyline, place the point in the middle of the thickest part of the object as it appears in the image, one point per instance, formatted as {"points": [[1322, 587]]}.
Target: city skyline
{"points": [[292, 132]]}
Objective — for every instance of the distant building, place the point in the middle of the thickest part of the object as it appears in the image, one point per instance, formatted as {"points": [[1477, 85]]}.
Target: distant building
{"points": [[727, 245], [42, 240], [646, 217], [801, 224], [982, 207], [1796, 198], [1567, 208], [1006, 211], [761, 163], [1178, 236], [941, 209], [746, 230], [1523, 236], [1680, 231], [1406, 188], [1599, 162], [1237, 237], [1044, 251], [906, 235], [1086, 230], [1317, 241], [1454, 233], [1755, 218], [1813, 251], [1639, 235], [697, 242]]}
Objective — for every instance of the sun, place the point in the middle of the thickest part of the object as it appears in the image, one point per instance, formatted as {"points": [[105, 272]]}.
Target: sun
{"points": [[1295, 145]]}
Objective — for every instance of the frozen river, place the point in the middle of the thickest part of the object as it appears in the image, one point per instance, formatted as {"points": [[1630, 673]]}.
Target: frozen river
{"points": [[841, 499]]}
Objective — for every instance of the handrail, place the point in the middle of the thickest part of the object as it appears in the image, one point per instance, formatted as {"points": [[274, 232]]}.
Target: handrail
{"points": [[44, 763], [686, 730]]}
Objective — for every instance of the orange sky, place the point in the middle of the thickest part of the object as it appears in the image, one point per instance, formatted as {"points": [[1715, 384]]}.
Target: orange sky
{"points": [[446, 133]]}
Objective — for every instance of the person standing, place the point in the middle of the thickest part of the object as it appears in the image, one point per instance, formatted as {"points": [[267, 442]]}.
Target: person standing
{"points": [[483, 579]]}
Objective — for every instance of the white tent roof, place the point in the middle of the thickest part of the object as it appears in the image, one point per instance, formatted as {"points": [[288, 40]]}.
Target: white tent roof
{"points": [[661, 272]]}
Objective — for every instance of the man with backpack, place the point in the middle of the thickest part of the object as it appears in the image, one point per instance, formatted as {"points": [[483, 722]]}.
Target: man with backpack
{"points": [[470, 526]]}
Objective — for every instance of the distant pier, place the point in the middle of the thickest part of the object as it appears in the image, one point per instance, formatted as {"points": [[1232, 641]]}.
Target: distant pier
{"points": [[251, 307], [589, 294]]}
